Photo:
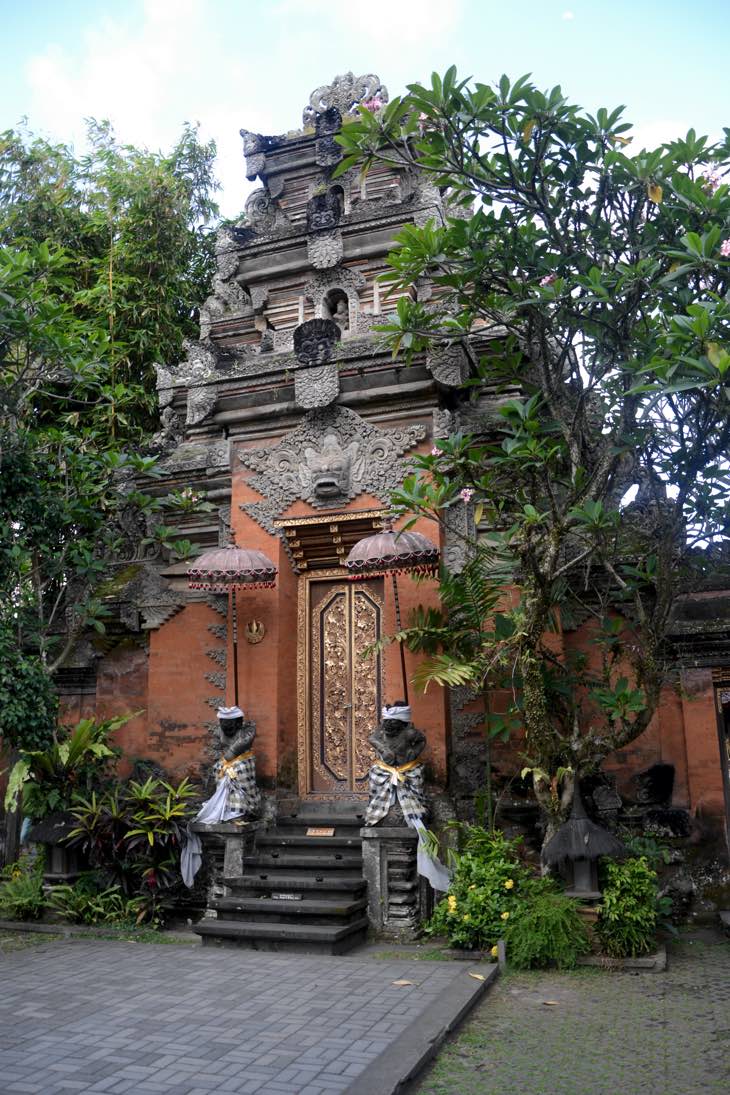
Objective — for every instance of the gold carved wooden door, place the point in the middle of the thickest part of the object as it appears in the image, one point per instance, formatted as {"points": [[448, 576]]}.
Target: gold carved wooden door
{"points": [[344, 700]]}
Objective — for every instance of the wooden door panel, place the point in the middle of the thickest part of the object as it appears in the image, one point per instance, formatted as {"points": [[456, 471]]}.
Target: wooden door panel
{"points": [[344, 689]]}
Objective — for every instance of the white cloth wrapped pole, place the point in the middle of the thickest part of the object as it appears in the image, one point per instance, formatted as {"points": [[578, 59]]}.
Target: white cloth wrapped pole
{"points": [[405, 785]]}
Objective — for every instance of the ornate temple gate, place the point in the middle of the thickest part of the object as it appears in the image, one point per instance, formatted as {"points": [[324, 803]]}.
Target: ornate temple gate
{"points": [[340, 691]]}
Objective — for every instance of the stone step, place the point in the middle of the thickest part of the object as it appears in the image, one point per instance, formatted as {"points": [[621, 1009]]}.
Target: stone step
{"points": [[316, 908], [311, 938], [276, 839], [337, 861], [301, 882], [320, 820]]}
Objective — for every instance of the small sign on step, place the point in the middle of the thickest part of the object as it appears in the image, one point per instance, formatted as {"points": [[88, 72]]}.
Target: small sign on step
{"points": [[320, 831], [286, 897]]}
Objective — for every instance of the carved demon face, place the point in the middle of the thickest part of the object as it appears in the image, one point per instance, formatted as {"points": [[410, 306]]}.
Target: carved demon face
{"points": [[330, 468]]}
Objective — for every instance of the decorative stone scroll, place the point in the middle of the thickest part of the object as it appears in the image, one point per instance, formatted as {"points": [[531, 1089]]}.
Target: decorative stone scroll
{"points": [[330, 458], [346, 93]]}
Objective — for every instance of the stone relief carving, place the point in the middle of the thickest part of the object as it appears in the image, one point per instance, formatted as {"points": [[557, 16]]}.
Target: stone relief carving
{"points": [[170, 433], [324, 211], [448, 364], [459, 536], [324, 249], [327, 152], [255, 147], [201, 401], [224, 526], [315, 341], [316, 387], [345, 93], [330, 458], [260, 210]]}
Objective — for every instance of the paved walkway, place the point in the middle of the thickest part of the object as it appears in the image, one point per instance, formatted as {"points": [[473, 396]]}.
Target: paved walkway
{"points": [[595, 1033], [172, 1020]]}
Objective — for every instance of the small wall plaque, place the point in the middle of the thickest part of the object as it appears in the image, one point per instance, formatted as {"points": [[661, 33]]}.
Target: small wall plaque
{"points": [[320, 831], [286, 897]]}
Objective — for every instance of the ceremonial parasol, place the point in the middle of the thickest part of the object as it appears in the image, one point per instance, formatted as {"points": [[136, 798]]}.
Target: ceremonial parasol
{"points": [[226, 569], [388, 552]]}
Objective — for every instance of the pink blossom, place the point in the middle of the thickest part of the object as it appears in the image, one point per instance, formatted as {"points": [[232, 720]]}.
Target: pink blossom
{"points": [[725, 249], [548, 279], [373, 105], [466, 493], [435, 451], [712, 181]]}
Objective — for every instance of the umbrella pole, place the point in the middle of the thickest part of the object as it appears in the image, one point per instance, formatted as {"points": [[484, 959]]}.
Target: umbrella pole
{"points": [[400, 645], [234, 629]]}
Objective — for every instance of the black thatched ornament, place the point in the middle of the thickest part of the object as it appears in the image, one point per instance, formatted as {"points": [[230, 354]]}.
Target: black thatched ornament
{"points": [[577, 846]]}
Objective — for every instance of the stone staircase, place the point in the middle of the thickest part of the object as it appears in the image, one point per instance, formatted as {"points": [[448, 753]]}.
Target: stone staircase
{"points": [[298, 892]]}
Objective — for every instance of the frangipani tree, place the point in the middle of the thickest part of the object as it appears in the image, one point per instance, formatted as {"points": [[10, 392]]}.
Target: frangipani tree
{"points": [[601, 273]]}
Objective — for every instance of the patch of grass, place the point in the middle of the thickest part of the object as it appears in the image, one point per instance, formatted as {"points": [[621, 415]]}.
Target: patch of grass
{"points": [[18, 941], [428, 954]]}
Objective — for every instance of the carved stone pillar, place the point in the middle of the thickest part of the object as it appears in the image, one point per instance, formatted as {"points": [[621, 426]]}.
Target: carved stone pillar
{"points": [[399, 899]]}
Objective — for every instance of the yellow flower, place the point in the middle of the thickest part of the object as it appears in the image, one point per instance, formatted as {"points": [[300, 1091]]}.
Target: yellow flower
{"points": [[494, 952], [465, 916], [505, 916], [451, 901], [473, 886], [509, 884]]}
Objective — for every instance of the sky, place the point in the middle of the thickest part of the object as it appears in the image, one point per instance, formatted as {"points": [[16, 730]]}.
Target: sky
{"points": [[150, 65]]}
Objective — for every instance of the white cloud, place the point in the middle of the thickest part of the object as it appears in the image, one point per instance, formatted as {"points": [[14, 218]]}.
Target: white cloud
{"points": [[567, 16], [188, 60]]}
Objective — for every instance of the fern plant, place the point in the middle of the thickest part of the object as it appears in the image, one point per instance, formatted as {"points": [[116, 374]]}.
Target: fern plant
{"points": [[548, 931]]}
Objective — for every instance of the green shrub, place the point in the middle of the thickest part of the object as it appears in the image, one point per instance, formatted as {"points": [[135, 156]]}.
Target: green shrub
{"points": [[132, 835], [75, 760], [488, 887], [86, 903], [21, 890], [628, 912], [547, 930]]}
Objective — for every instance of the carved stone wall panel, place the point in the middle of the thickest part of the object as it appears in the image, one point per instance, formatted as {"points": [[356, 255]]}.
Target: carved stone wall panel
{"points": [[316, 387], [324, 249], [201, 402], [449, 364], [330, 458]]}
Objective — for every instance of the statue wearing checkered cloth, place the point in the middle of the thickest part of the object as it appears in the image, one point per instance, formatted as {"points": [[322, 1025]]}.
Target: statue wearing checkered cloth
{"points": [[397, 779], [236, 794]]}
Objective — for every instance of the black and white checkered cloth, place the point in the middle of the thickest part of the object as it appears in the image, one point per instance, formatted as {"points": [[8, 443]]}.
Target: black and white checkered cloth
{"points": [[404, 785], [244, 797]]}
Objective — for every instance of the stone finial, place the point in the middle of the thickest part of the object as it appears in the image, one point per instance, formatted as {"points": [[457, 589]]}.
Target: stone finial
{"points": [[346, 93]]}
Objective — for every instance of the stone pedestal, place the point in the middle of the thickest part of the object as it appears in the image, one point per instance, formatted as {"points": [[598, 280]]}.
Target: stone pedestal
{"points": [[399, 900], [224, 847]]}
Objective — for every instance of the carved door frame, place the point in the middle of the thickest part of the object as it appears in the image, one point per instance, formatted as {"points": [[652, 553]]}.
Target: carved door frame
{"points": [[304, 679]]}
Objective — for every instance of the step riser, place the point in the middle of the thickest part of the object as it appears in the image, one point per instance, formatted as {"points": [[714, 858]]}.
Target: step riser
{"points": [[310, 863], [284, 918], [287, 946]]}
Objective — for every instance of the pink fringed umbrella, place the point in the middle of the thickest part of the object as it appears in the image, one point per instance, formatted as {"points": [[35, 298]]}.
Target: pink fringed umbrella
{"points": [[388, 552], [226, 569]]}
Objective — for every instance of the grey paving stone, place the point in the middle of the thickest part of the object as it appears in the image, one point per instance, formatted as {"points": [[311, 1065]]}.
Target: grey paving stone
{"points": [[114, 1018]]}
